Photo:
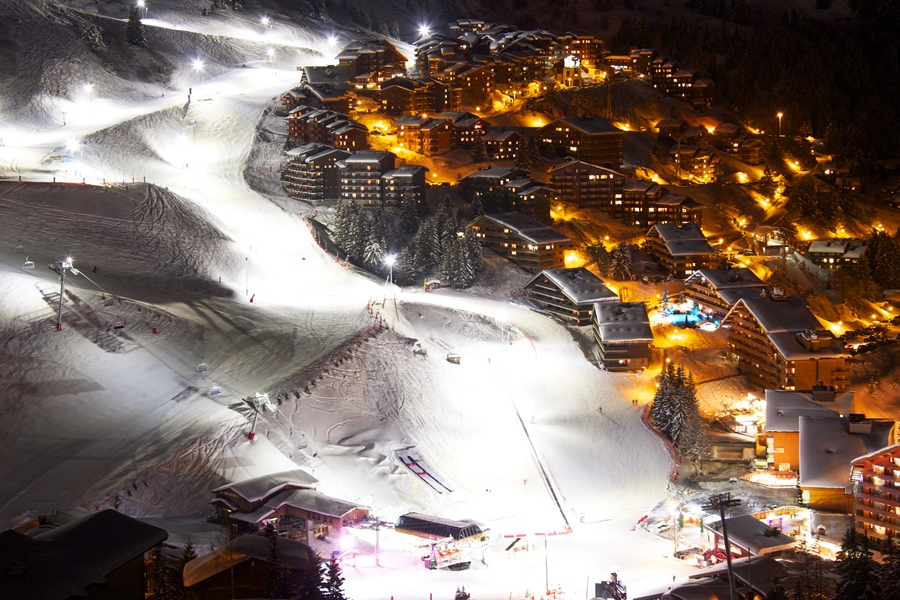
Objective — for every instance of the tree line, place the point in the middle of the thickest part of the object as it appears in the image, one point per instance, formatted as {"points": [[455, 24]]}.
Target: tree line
{"points": [[674, 411], [441, 242]]}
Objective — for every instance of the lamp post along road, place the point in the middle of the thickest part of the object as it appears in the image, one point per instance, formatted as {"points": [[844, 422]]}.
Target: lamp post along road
{"points": [[779, 115]]}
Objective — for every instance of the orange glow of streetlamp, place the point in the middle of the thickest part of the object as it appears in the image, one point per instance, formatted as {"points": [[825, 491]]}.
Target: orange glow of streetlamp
{"points": [[779, 115]]}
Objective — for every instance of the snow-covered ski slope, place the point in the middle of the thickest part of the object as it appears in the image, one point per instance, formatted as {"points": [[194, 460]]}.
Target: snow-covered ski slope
{"points": [[101, 416]]}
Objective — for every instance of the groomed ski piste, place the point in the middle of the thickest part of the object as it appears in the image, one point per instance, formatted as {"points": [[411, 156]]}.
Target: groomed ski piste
{"points": [[525, 437]]}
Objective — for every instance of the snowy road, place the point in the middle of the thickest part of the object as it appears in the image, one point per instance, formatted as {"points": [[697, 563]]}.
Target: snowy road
{"points": [[127, 413]]}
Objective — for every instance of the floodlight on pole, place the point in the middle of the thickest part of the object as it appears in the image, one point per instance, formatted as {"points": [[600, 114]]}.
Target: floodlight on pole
{"points": [[60, 267], [424, 30], [389, 261], [265, 23], [779, 115], [89, 88], [720, 502]]}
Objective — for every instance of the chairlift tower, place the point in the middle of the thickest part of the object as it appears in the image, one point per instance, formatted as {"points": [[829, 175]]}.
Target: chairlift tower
{"points": [[260, 403], [720, 502], [61, 266]]}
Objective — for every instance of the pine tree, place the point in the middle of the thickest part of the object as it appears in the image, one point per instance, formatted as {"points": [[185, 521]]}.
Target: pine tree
{"points": [[661, 407], [474, 258], [409, 220], [777, 592], [450, 263], [857, 569], [379, 245], [134, 29], [666, 302], [395, 30], [275, 576], [889, 577], [343, 217], [694, 442], [334, 582], [160, 580], [477, 207], [446, 223], [599, 254], [187, 555], [620, 262], [427, 246], [766, 183], [479, 150], [310, 582], [93, 38], [532, 151]]}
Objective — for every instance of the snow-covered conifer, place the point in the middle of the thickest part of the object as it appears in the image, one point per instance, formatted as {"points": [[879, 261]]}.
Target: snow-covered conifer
{"points": [[134, 29]]}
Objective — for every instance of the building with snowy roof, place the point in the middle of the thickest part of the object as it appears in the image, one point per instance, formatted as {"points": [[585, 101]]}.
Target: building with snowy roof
{"points": [[593, 140], [876, 492], [780, 344], [749, 537], [754, 572], [403, 185], [569, 294], [312, 173], [623, 335], [288, 501], [585, 184], [828, 448], [100, 555], [681, 248], [377, 58], [361, 173], [783, 412], [522, 240], [836, 254], [237, 570], [715, 291]]}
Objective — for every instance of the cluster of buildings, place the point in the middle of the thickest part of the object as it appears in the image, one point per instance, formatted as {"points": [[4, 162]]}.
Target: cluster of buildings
{"points": [[317, 174], [665, 75]]}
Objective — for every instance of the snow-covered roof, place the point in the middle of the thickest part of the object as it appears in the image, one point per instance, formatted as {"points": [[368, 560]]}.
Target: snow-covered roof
{"points": [[678, 200], [500, 136], [790, 347], [578, 285], [827, 449], [755, 571], [258, 488], [435, 527], [828, 247], [784, 408], [588, 126], [294, 555], [682, 239], [728, 278], [876, 453], [528, 228], [63, 562], [641, 185], [405, 171], [754, 536], [789, 315], [313, 501], [623, 322], [574, 162]]}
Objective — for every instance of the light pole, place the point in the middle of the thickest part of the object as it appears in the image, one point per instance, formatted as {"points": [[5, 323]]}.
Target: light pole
{"points": [[269, 54], [247, 276], [61, 266], [265, 23], [389, 261], [64, 117], [779, 115], [143, 6], [424, 30]]}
